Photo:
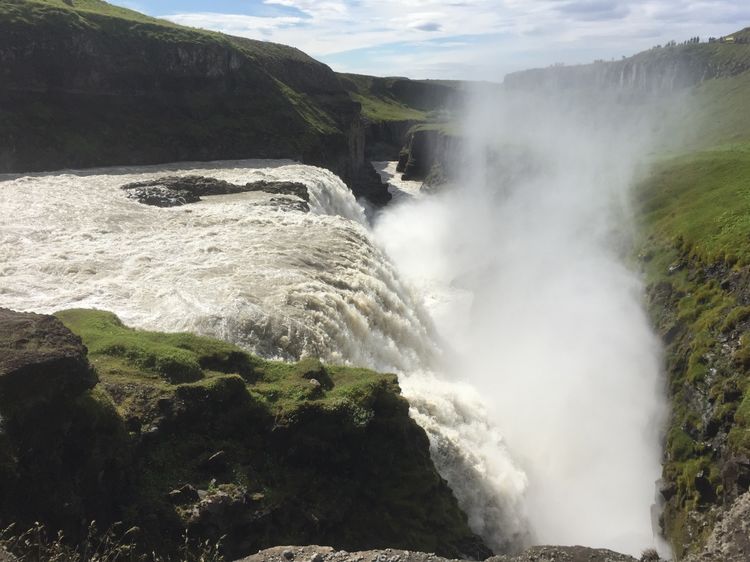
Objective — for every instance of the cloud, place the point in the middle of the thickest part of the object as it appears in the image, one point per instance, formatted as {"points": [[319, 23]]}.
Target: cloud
{"points": [[489, 37], [426, 26], [234, 24], [594, 10]]}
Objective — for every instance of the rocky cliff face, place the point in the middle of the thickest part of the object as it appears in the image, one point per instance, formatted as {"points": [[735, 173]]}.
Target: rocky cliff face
{"points": [[659, 70], [88, 87]]}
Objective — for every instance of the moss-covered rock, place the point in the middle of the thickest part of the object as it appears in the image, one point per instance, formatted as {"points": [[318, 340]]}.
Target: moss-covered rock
{"points": [[184, 432]]}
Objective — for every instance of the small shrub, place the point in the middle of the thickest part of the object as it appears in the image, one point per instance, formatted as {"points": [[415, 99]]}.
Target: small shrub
{"points": [[114, 545]]}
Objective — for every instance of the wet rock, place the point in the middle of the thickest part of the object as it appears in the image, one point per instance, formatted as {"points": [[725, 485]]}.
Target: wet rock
{"points": [[174, 191], [288, 204]]}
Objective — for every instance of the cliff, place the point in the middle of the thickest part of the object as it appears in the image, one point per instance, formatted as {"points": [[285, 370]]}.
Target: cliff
{"points": [[656, 71], [84, 83], [392, 107], [174, 434]]}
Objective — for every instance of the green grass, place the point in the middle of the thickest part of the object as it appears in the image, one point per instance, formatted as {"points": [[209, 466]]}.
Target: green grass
{"points": [[382, 100], [701, 203], [159, 361], [719, 110], [377, 108]]}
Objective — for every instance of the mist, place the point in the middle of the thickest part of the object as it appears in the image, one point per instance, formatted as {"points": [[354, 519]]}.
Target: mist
{"points": [[523, 265]]}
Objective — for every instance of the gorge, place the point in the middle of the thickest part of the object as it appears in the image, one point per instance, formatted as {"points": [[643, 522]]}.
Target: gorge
{"points": [[209, 278]]}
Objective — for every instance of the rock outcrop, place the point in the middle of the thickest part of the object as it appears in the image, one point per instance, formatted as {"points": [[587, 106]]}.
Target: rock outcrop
{"points": [[660, 70], [40, 359], [730, 538], [184, 433], [432, 154], [174, 191], [328, 554]]}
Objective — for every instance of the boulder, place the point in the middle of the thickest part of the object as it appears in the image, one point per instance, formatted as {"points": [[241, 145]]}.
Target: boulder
{"points": [[40, 359], [730, 538]]}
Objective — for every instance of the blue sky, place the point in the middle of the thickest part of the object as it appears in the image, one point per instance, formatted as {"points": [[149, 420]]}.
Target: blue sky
{"points": [[462, 39]]}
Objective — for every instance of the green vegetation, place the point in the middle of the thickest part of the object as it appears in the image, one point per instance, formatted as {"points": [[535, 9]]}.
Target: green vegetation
{"points": [[376, 108], [400, 99], [160, 361], [701, 202]]}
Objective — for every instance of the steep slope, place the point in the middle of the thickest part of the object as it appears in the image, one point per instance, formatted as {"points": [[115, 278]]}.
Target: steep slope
{"points": [[84, 83], [175, 432]]}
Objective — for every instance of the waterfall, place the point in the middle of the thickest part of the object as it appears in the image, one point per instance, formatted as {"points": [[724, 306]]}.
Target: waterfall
{"points": [[278, 282]]}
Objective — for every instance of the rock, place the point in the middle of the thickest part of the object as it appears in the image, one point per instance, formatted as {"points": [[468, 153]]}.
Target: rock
{"points": [[40, 359], [186, 494], [288, 555], [730, 539], [536, 554], [287, 204], [173, 191]]}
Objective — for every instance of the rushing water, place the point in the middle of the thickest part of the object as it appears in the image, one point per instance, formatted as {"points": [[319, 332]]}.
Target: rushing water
{"points": [[279, 282]]}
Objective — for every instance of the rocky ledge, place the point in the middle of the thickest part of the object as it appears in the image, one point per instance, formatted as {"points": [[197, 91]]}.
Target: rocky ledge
{"points": [[174, 191], [175, 433], [328, 554]]}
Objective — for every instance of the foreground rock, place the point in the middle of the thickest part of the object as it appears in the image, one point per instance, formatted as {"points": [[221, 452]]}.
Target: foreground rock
{"points": [[184, 433], [39, 357], [730, 539], [173, 191], [328, 554]]}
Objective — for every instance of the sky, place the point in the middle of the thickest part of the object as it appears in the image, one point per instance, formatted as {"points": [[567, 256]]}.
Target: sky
{"points": [[457, 39]]}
